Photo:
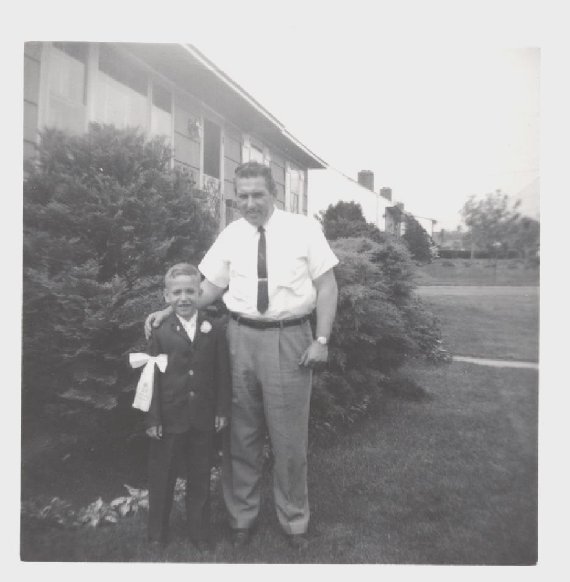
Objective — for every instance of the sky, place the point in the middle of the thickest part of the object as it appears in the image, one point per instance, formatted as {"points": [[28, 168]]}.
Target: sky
{"points": [[436, 124]]}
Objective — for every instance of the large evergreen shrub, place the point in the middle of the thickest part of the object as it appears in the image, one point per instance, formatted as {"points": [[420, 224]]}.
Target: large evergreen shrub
{"points": [[104, 215], [380, 321]]}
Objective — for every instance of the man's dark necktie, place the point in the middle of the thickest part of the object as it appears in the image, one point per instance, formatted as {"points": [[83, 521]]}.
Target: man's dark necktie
{"points": [[262, 290]]}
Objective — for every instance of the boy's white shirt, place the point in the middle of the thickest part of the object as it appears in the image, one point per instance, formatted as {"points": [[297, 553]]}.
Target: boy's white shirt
{"points": [[189, 325]]}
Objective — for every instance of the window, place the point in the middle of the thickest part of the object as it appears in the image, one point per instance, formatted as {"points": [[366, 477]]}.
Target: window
{"points": [[161, 116], [232, 212], [304, 195], [297, 191], [121, 93], [66, 86], [121, 96], [77, 50], [256, 155], [212, 148], [115, 66], [294, 202]]}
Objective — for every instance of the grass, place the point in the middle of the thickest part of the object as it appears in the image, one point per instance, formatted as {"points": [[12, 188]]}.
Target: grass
{"points": [[490, 326], [477, 272], [447, 479]]}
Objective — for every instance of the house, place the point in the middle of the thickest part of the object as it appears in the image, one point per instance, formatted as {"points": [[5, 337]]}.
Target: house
{"points": [[329, 186], [455, 240], [170, 90]]}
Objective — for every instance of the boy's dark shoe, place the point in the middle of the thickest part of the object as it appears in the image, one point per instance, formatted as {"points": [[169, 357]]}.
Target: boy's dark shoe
{"points": [[240, 538], [298, 542]]}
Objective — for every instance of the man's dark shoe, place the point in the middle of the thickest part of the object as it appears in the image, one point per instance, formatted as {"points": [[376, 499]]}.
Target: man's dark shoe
{"points": [[240, 538], [298, 542]]}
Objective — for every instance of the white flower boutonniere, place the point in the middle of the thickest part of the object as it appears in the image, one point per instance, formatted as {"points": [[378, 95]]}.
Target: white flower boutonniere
{"points": [[206, 327]]}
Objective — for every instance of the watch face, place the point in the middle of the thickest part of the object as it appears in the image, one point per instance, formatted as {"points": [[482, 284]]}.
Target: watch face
{"points": [[322, 340]]}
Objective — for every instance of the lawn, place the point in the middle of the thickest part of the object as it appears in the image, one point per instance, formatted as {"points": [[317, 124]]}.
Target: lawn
{"points": [[494, 326], [477, 272], [446, 478]]}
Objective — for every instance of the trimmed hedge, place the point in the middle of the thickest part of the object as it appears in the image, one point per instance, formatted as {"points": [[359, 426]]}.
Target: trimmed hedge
{"points": [[380, 321]]}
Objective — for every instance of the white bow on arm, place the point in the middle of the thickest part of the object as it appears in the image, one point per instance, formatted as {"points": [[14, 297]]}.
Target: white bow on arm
{"points": [[143, 395]]}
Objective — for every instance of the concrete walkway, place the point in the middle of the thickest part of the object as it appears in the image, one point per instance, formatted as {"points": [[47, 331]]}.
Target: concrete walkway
{"points": [[496, 363], [483, 291], [480, 290]]}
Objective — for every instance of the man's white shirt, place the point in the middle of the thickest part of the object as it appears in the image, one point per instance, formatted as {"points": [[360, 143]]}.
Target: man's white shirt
{"points": [[297, 254]]}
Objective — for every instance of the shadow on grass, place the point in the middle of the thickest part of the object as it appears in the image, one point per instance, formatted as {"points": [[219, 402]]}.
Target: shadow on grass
{"points": [[403, 387]]}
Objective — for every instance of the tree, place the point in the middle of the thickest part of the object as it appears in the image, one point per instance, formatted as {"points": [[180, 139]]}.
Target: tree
{"points": [[104, 215], [525, 238], [418, 241], [490, 222]]}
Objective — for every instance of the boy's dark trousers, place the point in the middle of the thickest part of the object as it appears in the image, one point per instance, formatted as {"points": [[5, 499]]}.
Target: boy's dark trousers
{"points": [[194, 448]]}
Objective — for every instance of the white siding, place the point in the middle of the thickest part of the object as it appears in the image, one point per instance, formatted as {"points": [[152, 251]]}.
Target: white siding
{"points": [[329, 186]]}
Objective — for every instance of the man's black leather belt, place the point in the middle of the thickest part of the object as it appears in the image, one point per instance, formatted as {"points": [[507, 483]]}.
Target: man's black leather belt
{"points": [[268, 323]]}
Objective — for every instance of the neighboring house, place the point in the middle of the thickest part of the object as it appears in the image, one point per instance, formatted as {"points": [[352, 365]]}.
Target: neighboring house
{"points": [[171, 90], [428, 224], [396, 219], [452, 239], [330, 186]]}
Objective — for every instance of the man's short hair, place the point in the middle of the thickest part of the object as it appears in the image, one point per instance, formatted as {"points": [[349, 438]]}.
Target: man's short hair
{"points": [[181, 269], [253, 170]]}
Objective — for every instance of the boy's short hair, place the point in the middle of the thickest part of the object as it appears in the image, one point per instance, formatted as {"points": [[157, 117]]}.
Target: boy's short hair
{"points": [[181, 269]]}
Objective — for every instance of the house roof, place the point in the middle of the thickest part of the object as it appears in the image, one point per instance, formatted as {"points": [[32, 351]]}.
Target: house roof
{"points": [[185, 65]]}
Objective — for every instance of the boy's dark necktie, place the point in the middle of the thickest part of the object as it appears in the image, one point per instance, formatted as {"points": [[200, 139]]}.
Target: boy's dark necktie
{"points": [[262, 290]]}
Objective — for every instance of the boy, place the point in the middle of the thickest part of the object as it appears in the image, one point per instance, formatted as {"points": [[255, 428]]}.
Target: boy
{"points": [[190, 400]]}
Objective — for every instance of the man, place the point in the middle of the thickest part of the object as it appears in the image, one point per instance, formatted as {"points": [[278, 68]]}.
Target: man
{"points": [[277, 268]]}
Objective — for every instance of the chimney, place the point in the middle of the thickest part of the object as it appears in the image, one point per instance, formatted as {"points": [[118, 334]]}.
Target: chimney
{"points": [[366, 179], [386, 193]]}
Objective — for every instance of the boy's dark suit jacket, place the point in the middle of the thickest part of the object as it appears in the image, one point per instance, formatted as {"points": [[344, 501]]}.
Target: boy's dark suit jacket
{"points": [[196, 386]]}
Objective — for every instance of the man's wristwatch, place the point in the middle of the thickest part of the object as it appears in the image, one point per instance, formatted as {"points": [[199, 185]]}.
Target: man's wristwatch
{"points": [[322, 340]]}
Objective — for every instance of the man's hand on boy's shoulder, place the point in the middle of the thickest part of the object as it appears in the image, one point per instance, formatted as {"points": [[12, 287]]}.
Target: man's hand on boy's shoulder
{"points": [[154, 320], [154, 432], [220, 423]]}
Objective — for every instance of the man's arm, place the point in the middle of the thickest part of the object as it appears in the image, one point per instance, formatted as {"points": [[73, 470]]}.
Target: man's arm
{"points": [[210, 293], [327, 295]]}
